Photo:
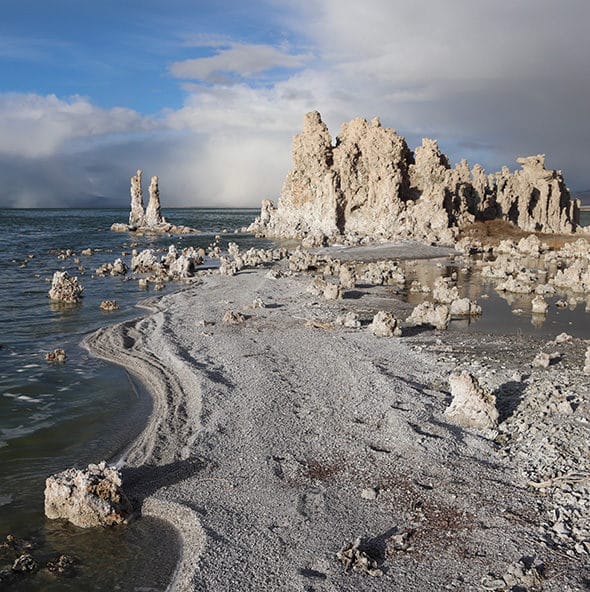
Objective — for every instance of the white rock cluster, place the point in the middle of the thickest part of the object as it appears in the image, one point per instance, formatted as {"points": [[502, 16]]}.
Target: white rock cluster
{"points": [[174, 265], [88, 497], [368, 183]]}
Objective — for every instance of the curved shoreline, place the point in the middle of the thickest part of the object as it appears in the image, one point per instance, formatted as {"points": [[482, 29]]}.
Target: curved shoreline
{"points": [[114, 344]]}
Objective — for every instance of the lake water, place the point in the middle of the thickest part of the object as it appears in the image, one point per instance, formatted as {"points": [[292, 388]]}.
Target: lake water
{"points": [[53, 416]]}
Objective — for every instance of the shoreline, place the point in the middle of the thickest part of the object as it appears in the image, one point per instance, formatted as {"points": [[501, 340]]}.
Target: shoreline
{"points": [[140, 450], [216, 448]]}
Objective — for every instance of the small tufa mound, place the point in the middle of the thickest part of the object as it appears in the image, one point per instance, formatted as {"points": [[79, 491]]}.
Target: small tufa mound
{"points": [[65, 288], [56, 356], [384, 324], [233, 318], [471, 406], [87, 498], [349, 320], [354, 559], [539, 306], [544, 360], [109, 305], [429, 313], [463, 307]]}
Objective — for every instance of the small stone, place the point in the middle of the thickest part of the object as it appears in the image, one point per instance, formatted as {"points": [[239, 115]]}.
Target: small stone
{"points": [[57, 356], [25, 564], [354, 559], [233, 318], [349, 319], [258, 303], [370, 493], [544, 360]]}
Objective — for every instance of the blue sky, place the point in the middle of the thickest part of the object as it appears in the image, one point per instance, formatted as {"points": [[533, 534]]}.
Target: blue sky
{"points": [[208, 94]]}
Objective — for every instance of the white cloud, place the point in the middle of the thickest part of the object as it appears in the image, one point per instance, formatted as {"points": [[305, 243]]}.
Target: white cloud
{"points": [[33, 125], [490, 80], [244, 59]]}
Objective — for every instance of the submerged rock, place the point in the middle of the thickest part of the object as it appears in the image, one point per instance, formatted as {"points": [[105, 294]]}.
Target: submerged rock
{"points": [[62, 565], [56, 356], [88, 497], [471, 406], [109, 305], [65, 288]]}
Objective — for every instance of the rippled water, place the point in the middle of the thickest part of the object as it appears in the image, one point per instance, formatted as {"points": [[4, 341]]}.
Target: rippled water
{"points": [[55, 416]]}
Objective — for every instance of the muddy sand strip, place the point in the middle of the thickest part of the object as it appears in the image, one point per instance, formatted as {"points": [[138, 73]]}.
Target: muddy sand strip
{"points": [[275, 441]]}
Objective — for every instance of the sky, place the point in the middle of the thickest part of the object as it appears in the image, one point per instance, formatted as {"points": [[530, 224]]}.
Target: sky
{"points": [[208, 94]]}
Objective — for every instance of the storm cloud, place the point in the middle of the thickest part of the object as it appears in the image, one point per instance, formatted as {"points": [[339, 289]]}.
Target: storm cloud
{"points": [[490, 80]]}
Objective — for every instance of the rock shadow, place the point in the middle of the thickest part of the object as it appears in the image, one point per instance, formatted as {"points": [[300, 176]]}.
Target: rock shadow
{"points": [[142, 482], [508, 397], [376, 547], [353, 294], [414, 330]]}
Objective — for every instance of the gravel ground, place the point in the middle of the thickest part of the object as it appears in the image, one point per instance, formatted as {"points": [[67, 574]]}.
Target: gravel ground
{"points": [[276, 441]]}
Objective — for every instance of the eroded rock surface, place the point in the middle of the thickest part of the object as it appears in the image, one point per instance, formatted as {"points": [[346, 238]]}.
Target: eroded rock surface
{"points": [[369, 183], [87, 498], [471, 406], [150, 219], [65, 288]]}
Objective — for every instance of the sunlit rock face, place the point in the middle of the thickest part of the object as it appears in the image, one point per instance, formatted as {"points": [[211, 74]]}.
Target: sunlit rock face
{"points": [[369, 183], [153, 213], [136, 214]]}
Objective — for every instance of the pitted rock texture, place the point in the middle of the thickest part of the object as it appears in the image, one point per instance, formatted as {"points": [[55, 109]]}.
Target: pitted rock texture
{"points": [[369, 183], [471, 406], [136, 215], [87, 498], [65, 288], [153, 213]]}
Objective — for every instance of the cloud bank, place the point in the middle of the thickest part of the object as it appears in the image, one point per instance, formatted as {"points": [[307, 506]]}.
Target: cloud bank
{"points": [[491, 81]]}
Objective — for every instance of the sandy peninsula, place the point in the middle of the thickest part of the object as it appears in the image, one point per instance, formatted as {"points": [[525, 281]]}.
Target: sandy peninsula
{"points": [[278, 438]]}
